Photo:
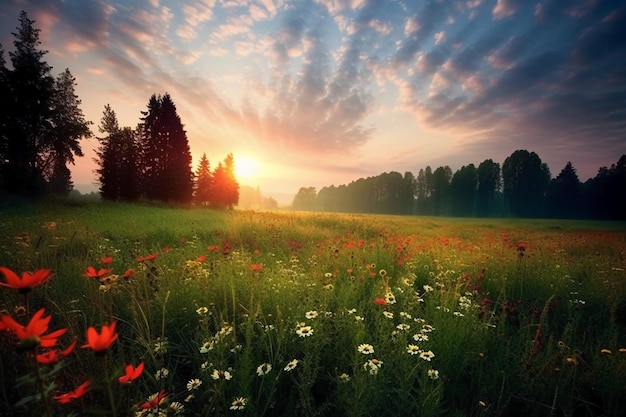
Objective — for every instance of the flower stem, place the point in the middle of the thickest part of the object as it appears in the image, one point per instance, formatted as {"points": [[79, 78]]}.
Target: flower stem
{"points": [[42, 389]]}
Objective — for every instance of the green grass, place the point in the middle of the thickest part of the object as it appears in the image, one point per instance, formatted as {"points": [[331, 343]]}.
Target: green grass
{"points": [[513, 332]]}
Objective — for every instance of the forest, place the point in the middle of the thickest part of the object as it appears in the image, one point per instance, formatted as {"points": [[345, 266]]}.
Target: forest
{"points": [[521, 187]]}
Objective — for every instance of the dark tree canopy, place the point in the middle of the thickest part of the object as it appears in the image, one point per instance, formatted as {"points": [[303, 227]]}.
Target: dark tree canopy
{"points": [[525, 179], [41, 123], [204, 182]]}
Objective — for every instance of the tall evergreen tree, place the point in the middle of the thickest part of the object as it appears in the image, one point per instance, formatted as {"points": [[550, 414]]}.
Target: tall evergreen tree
{"points": [[29, 111], [563, 194], [463, 188], [41, 122], [118, 172], [204, 182], [166, 159]]}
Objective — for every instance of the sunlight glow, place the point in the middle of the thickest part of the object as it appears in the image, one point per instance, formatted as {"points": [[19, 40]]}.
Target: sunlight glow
{"points": [[246, 168]]}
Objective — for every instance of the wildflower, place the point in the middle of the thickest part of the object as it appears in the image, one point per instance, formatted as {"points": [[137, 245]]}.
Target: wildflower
{"points": [[291, 365], [129, 273], [263, 369], [420, 337], [382, 272], [344, 377], [572, 360], [366, 349], [606, 351], [403, 326], [380, 301], [92, 273], [359, 318], [428, 288], [193, 384], [28, 281], [256, 267], [388, 314], [166, 249], [458, 314], [304, 331], [427, 356], [101, 342], [73, 395], [160, 347], [390, 298], [413, 350], [482, 403], [150, 257], [311, 314], [32, 335], [176, 408], [622, 350], [238, 403], [405, 315], [373, 365], [427, 328], [328, 287], [54, 355], [201, 258], [154, 401], [131, 373], [221, 375], [433, 374], [106, 259], [328, 274], [351, 311], [202, 311], [161, 373], [207, 346]]}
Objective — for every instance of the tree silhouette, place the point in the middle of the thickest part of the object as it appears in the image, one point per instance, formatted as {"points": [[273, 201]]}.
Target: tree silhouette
{"points": [[489, 183], [563, 194], [166, 159], [304, 199], [463, 189], [204, 182], [41, 122], [525, 179], [118, 172]]}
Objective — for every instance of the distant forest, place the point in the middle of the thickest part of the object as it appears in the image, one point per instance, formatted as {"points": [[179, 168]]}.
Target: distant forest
{"points": [[521, 187]]}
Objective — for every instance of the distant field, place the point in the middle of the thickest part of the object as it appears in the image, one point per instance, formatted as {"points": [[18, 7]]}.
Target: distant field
{"points": [[307, 314]]}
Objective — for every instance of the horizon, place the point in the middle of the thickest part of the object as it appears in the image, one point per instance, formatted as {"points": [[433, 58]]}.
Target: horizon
{"points": [[321, 93]]}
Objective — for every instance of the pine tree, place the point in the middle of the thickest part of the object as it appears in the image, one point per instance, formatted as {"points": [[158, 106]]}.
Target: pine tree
{"points": [[29, 111], [204, 182], [166, 157]]}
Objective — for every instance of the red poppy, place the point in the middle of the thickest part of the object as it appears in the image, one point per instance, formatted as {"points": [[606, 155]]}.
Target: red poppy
{"points": [[380, 301], [129, 273], [131, 373], [166, 249], [27, 282], [153, 401], [73, 395], [100, 342], [106, 259], [201, 258], [54, 355], [213, 248], [32, 335], [257, 267], [92, 273], [151, 257]]}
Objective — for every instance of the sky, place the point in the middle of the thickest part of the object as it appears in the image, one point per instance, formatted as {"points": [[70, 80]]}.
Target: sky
{"points": [[323, 92]]}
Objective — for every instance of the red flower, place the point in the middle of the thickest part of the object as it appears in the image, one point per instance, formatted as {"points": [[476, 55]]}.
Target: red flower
{"points": [[153, 401], [27, 282], [106, 259], [257, 267], [380, 301], [201, 258], [55, 355], [32, 335], [129, 273], [151, 257], [92, 273], [166, 249], [131, 374], [73, 395], [100, 342], [213, 248]]}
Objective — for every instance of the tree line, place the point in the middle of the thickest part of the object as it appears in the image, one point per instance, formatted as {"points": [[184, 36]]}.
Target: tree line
{"points": [[522, 186], [41, 124]]}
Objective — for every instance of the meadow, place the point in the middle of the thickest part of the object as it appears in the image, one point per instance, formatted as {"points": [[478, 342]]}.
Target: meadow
{"points": [[194, 312]]}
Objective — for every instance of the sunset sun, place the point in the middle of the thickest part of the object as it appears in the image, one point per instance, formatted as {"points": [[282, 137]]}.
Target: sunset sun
{"points": [[245, 168]]}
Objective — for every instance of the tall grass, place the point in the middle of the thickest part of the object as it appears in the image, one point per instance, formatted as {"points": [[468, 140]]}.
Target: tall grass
{"points": [[277, 313]]}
